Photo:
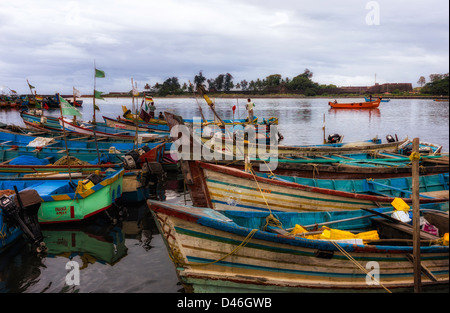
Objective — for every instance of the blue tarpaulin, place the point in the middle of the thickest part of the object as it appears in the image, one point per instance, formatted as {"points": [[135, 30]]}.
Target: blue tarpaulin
{"points": [[28, 160]]}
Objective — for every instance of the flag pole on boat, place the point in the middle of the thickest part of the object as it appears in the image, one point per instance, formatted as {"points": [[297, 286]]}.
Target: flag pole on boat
{"points": [[69, 111], [198, 104], [134, 107], [97, 95], [415, 158]]}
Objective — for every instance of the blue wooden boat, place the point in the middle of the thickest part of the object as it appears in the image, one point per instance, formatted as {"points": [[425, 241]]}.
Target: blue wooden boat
{"points": [[131, 125], [225, 188], [117, 145], [430, 186], [88, 129], [382, 100], [65, 200], [9, 234], [101, 129], [132, 117], [40, 122], [237, 251]]}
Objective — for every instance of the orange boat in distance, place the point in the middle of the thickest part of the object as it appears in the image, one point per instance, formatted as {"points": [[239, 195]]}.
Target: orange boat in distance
{"points": [[356, 105]]}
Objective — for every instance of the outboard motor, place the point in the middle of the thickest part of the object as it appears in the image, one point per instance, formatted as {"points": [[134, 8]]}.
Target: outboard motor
{"points": [[389, 138], [154, 176], [131, 158], [21, 210], [334, 138]]}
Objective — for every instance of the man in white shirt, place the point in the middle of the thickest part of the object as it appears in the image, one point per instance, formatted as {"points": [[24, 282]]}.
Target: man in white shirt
{"points": [[249, 106]]}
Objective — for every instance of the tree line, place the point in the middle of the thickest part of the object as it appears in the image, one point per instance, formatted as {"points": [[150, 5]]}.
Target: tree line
{"points": [[438, 84], [274, 83]]}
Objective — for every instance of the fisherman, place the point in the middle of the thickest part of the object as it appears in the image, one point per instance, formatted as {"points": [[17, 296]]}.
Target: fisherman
{"points": [[152, 109], [249, 106], [161, 116]]}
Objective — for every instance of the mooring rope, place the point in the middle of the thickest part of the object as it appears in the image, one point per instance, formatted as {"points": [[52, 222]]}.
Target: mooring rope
{"points": [[346, 254]]}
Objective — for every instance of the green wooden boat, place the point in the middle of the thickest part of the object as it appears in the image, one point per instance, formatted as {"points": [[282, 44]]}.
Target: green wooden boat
{"points": [[65, 200]]}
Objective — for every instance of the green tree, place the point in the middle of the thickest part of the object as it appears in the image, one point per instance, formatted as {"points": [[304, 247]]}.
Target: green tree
{"points": [[303, 82], [171, 86], [437, 86], [228, 84], [199, 79]]}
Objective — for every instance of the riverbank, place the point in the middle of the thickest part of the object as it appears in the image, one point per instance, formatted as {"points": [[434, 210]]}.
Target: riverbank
{"points": [[278, 96]]}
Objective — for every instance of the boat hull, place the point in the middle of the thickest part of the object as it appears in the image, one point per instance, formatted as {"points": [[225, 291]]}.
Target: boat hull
{"points": [[224, 188], [213, 254], [356, 105], [63, 207]]}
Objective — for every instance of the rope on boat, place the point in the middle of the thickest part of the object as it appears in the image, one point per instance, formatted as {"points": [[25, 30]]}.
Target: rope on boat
{"points": [[271, 220], [345, 253], [177, 259]]}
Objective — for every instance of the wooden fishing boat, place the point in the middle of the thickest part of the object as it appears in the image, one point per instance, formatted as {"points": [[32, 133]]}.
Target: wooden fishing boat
{"points": [[9, 234], [129, 125], [103, 144], [233, 251], [343, 161], [89, 129], [40, 122], [225, 188], [244, 148], [132, 117], [382, 100], [127, 114], [73, 200], [355, 105]]}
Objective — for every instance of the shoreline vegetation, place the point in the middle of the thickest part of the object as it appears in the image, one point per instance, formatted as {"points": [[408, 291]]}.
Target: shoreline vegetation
{"points": [[274, 96], [301, 86]]}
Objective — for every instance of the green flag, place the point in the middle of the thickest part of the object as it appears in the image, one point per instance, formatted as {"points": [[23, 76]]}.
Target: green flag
{"points": [[67, 109], [98, 95], [96, 107], [99, 73]]}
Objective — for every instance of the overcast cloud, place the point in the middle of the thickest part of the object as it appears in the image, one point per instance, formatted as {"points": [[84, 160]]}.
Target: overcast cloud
{"points": [[54, 43]]}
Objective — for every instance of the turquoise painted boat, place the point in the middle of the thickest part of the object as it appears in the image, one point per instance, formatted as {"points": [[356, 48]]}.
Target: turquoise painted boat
{"points": [[224, 188], [234, 251], [382, 100], [70, 201], [41, 122], [430, 186]]}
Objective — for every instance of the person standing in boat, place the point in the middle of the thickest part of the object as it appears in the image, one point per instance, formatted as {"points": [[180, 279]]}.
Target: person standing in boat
{"points": [[249, 106], [152, 109]]}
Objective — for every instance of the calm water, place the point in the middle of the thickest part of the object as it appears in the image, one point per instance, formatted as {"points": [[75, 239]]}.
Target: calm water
{"points": [[132, 257]]}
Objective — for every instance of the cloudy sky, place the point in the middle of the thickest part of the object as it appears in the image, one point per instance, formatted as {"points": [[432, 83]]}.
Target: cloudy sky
{"points": [[54, 43]]}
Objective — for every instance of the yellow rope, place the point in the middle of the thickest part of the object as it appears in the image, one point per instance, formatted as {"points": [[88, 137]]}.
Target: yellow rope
{"points": [[179, 260], [345, 253]]}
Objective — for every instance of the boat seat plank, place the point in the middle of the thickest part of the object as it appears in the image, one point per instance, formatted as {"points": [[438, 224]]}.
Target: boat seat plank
{"points": [[388, 229]]}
